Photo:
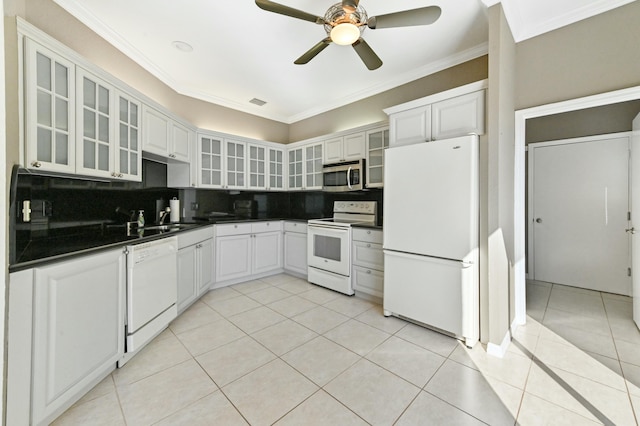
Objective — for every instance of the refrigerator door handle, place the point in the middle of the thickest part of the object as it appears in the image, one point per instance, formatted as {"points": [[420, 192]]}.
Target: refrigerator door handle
{"points": [[464, 264]]}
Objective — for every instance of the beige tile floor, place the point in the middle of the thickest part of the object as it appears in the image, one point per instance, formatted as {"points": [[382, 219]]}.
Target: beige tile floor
{"points": [[282, 351]]}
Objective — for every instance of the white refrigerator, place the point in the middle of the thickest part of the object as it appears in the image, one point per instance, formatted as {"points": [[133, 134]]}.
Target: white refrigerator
{"points": [[431, 235]]}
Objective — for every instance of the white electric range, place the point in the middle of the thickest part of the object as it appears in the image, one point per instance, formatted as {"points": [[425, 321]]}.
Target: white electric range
{"points": [[329, 244]]}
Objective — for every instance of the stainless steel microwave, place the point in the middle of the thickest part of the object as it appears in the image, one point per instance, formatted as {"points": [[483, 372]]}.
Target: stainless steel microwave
{"points": [[341, 177]]}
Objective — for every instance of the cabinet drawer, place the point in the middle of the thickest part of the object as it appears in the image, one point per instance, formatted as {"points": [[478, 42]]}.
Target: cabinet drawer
{"points": [[233, 229], [300, 227], [189, 238], [267, 226], [368, 255], [368, 281], [367, 235]]}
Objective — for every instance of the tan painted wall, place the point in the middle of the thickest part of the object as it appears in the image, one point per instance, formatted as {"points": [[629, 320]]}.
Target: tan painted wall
{"points": [[369, 110], [602, 120], [11, 93], [596, 55], [499, 301]]}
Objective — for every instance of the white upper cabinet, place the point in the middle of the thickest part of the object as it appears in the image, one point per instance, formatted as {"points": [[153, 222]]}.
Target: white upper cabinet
{"points": [[165, 137], [128, 158], [156, 132], [458, 116], [77, 122], [49, 84], [276, 180], [266, 167], [182, 139], [305, 166], [313, 166], [108, 130], [377, 142], [210, 160], [344, 148], [257, 167], [412, 126], [455, 112], [235, 164], [95, 145]]}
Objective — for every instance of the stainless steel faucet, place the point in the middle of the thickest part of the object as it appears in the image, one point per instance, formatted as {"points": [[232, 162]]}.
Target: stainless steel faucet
{"points": [[164, 214]]}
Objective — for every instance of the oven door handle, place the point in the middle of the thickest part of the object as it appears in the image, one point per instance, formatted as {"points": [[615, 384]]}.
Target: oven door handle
{"points": [[349, 177], [329, 227]]}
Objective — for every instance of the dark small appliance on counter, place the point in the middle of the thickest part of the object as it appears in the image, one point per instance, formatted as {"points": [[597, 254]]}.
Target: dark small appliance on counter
{"points": [[245, 209]]}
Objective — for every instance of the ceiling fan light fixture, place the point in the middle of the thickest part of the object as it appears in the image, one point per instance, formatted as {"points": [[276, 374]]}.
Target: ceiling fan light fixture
{"points": [[345, 34]]}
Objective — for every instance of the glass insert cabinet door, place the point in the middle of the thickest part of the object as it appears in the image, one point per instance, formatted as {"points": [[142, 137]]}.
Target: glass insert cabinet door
{"points": [[94, 150], [313, 158], [257, 167], [210, 159], [295, 168], [50, 102], [236, 157], [128, 159], [377, 142], [276, 169]]}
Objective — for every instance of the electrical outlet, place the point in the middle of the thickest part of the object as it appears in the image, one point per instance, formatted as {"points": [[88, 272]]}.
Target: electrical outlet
{"points": [[194, 206]]}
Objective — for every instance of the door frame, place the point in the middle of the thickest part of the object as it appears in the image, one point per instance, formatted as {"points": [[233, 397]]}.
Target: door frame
{"points": [[521, 117], [531, 173]]}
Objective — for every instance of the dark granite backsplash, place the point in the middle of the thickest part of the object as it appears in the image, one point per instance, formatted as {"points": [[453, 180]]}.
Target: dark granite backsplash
{"points": [[63, 206]]}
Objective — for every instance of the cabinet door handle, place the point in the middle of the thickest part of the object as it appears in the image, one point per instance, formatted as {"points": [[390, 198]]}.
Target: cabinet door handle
{"points": [[36, 164], [368, 245], [368, 271]]}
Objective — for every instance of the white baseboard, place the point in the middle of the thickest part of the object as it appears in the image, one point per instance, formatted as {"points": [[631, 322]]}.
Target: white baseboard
{"points": [[500, 350]]}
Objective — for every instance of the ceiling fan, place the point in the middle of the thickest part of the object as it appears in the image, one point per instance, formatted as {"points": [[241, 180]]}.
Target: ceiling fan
{"points": [[344, 23]]}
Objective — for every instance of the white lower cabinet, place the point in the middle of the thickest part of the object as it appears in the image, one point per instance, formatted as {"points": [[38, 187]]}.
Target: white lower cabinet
{"points": [[77, 330], [295, 247], [368, 261], [195, 265], [267, 251], [247, 249]]}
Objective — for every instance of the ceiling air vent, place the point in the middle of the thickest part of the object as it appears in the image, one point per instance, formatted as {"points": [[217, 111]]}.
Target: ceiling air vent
{"points": [[257, 101]]}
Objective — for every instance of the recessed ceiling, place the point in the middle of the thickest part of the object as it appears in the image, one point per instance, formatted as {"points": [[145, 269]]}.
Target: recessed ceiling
{"points": [[241, 52]]}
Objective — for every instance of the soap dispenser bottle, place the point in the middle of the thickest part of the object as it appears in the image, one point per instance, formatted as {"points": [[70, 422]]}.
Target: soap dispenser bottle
{"points": [[140, 218]]}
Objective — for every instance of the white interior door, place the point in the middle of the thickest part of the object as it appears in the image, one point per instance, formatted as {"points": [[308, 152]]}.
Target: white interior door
{"points": [[635, 218], [579, 213]]}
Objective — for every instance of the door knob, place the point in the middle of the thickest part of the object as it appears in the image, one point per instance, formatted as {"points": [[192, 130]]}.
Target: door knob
{"points": [[538, 220]]}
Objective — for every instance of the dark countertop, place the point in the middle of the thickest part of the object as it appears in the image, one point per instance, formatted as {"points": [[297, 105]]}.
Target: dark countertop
{"points": [[101, 237], [85, 240]]}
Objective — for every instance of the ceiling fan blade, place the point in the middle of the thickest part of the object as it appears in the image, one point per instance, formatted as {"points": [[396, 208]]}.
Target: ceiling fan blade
{"points": [[311, 53], [350, 6], [366, 53], [407, 18], [288, 11]]}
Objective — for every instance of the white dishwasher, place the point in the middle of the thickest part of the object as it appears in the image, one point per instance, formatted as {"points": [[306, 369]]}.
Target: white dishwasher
{"points": [[152, 275]]}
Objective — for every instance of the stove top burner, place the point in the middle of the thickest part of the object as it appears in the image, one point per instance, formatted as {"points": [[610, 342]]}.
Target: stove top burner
{"points": [[347, 213]]}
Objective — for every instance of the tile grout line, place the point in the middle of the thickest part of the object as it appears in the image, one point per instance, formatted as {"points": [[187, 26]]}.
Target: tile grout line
{"points": [[624, 378]]}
